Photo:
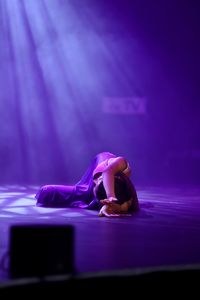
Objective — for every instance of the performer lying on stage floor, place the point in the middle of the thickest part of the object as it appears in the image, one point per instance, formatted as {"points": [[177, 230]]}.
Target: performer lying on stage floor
{"points": [[106, 186]]}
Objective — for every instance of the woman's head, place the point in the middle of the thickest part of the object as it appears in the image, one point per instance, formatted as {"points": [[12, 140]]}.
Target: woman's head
{"points": [[122, 191]]}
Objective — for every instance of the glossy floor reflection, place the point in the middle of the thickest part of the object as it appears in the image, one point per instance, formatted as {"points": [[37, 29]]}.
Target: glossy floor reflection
{"points": [[165, 232]]}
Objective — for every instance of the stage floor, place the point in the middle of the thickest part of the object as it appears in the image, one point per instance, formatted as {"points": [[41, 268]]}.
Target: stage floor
{"points": [[165, 232]]}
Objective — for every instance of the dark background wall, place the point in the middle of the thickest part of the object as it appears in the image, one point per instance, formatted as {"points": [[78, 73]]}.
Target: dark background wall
{"points": [[52, 117]]}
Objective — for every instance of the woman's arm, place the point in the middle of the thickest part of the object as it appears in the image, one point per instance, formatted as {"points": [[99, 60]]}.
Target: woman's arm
{"points": [[115, 166]]}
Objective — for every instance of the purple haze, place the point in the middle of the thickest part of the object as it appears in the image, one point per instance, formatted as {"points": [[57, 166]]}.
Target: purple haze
{"points": [[60, 60]]}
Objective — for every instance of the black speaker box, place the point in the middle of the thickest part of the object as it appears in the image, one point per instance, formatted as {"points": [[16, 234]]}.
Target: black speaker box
{"points": [[41, 250]]}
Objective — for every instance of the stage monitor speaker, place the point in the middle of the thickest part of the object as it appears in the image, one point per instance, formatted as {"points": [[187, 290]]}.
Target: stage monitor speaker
{"points": [[41, 250]]}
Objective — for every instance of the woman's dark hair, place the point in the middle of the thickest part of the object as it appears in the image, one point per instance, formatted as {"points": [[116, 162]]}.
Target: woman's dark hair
{"points": [[122, 191]]}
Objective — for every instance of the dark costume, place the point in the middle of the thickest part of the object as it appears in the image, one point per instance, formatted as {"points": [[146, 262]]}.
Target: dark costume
{"points": [[81, 194]]}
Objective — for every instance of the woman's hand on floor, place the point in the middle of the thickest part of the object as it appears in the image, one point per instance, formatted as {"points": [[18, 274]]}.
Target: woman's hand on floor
{"points": [[112, 209], [108, 211]]}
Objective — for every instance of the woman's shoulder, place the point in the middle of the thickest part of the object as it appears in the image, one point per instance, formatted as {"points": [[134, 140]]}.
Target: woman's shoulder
{"points": [[124, 163]]}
